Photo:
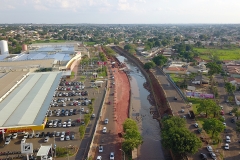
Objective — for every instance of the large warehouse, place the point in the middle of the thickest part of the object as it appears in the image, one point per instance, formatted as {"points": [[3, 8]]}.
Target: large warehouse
{"points": [[25, 105]]}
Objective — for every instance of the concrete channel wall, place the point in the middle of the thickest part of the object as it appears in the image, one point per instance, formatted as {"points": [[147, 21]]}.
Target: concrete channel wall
{"points": [[158, 93]]}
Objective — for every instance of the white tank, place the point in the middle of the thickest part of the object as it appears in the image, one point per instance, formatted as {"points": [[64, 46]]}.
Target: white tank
{"points": [[4, 47]]}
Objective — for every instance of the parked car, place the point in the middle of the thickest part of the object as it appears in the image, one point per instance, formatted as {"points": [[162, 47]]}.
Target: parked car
{"points": [[93, 115], [23, 140], [72, 137], [62, 138], [99, 157], [46, 139], [57, 134], [14, 135], [7, 141], [209, 148], [104, 130], [31, 135], [226, 146], [203, 156], [67, 138], [106, 121], [228, 139], [112, 156], [196, 125], [100, 149], [213, 155], [37, 135]]}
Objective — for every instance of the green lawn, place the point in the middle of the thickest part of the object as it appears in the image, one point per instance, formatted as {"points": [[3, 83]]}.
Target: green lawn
{"points": [[49, 41], [72, 74], [223, 54], [89, 43], [176, 78]]}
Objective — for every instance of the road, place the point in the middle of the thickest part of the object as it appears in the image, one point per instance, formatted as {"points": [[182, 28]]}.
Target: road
{"points": [[233, 153], [108, 140]]}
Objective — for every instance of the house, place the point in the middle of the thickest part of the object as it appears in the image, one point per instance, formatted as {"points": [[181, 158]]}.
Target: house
{"points": [[201, 79], [176, 70], [237, 99], [233, 70], [234, 81]]}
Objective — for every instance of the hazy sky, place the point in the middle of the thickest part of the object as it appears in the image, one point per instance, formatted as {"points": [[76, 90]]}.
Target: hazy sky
{"points": [[120, 11]]}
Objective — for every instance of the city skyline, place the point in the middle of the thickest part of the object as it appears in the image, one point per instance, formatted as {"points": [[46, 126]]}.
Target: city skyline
{"points": [[120, 11]]}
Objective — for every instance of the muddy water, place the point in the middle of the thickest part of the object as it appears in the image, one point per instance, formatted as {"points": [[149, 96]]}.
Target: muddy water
{"points": [[151, 149]]}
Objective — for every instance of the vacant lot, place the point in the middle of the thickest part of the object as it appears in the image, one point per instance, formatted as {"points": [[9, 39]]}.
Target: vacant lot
{"points": [[223, 54]]}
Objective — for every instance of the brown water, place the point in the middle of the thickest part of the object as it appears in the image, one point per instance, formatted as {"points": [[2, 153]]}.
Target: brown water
{"points": [[151, 149]]}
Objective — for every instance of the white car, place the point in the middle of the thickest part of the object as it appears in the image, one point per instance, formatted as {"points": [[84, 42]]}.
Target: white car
{"points": [[69, 124], [26, 135], [23, 140], [99, 157], [46, 139], [106, 121], [213, 155], [226, 146], [112, 156], [64, 124], [100, 149], [82, 109], [224, 124], [62, 138], [196, 125], [7, 141], [14, 135], [104, 130], [209, 148], [228, 139]]}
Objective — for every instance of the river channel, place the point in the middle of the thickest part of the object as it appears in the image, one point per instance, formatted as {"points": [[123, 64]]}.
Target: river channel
{"points": [[151, 149]]}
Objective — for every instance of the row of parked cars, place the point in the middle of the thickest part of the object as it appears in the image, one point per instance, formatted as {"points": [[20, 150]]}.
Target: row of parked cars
{"points": [[70, 94], [61, 112], [58, 123], [65, 83]]}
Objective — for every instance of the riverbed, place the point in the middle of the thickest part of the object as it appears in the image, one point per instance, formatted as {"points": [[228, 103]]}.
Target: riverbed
{"points": [[151, 149]]}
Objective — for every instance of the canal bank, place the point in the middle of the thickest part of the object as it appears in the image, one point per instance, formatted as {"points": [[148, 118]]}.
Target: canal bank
{"points": [[142, 111]]}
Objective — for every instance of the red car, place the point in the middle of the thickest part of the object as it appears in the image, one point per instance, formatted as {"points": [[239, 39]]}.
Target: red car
{"points": [[222, 112]]}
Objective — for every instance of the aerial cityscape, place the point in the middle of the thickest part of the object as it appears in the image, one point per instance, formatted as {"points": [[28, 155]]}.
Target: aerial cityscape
{"points": [[122, 80]]}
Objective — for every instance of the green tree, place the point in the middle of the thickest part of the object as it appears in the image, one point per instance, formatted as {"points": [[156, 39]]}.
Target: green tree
{"points": [[230, 88], [213, 126], [206, 106], [180, 140], [214, 68], [129, 124], [238, 126], [171, 121], [237, 114], [159, 60], [149, 65]]}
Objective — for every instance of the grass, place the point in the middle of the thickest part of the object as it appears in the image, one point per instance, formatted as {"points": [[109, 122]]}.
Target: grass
{"points": [[82, 78], [49, 41], [89, 43], [176, 78], [223, 54], [72, 74]]}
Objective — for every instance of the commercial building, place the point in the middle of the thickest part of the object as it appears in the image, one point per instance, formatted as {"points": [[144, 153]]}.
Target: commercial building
{"points": [[26, 103]]}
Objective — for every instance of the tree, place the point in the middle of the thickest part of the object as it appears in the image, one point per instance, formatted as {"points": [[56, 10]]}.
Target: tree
{"points": [[230, 88], [237, 114], [214, 68], [238, 126], [132, 137], [171, 121], [159, 60], [149, 65], [213, 126], [178, 138], [129, 124], [207, 106]]}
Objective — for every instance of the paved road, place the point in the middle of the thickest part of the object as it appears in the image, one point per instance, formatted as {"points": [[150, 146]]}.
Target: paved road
{"points": [[233, 153], [107, 140]]}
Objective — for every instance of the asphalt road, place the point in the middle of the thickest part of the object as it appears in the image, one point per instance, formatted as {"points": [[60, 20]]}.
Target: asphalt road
{"points": [[109, 139], [233, 152]]}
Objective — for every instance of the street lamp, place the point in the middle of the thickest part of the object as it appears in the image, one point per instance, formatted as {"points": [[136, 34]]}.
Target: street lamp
{"points": [[123, 153]]}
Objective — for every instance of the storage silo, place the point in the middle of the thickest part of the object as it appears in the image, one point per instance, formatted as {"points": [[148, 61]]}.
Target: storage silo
{"points": [[24, 47], [4, 47]]}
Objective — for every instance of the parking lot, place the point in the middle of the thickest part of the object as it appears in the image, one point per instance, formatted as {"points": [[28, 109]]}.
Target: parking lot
{"points": [[66, 113]]}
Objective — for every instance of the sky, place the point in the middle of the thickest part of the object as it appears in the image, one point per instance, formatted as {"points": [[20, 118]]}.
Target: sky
{"points": [[120, 11]]}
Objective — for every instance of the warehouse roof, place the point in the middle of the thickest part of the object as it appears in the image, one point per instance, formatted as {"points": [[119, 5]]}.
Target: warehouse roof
{"points": [[29, 102]]}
